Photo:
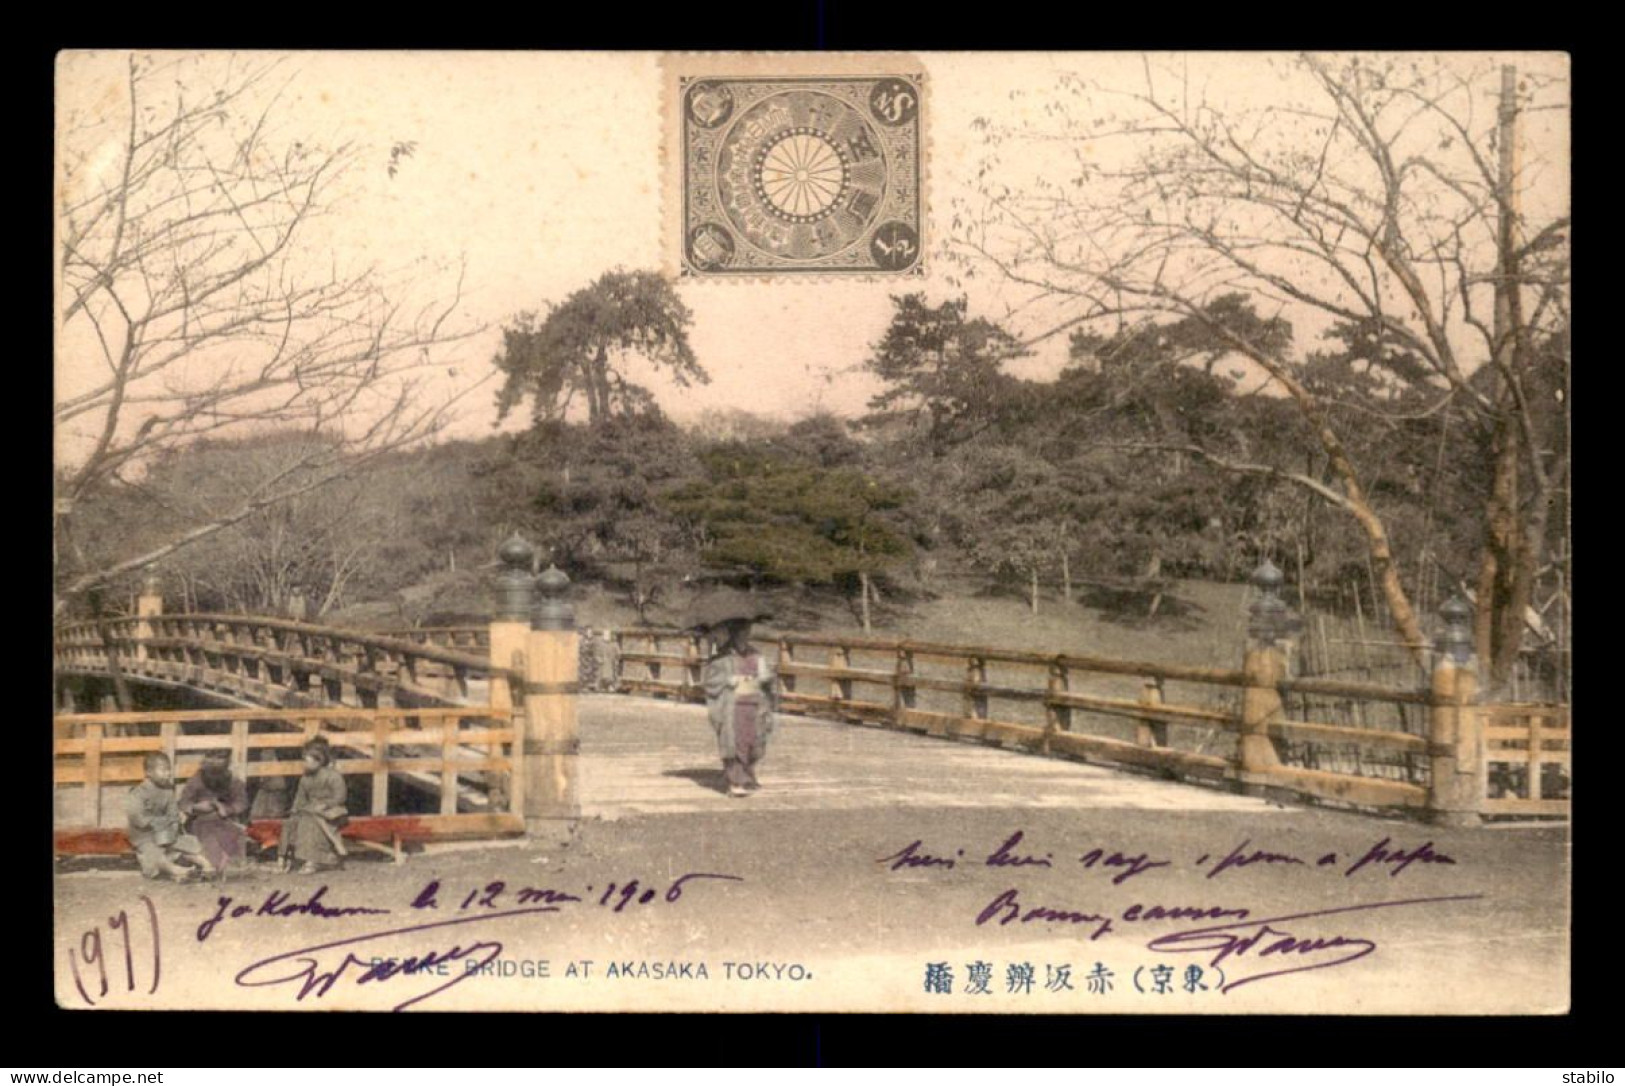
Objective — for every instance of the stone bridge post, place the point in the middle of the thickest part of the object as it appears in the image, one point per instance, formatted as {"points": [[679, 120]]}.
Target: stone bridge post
{"points": [[1455, 739]]}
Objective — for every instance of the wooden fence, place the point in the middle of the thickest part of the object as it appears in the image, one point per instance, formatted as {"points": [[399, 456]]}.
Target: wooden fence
{"points": [[1183, 721], [1527, 763], [465, 754]]}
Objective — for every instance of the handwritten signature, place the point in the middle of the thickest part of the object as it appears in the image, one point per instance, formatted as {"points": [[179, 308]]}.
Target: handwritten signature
{"points": [[303, 967], [310, 971], [1240, 934], [1236, 939]]}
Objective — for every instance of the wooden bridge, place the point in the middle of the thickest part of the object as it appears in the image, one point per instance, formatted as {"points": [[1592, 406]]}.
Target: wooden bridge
{"points": [[274, 663], [438, 739], [423, 734]]}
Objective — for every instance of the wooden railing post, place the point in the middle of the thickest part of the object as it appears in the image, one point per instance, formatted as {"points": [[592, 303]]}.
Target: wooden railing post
{"points": [[840, 689], [380, 773], [169, 735], [93, 774], [902, 690], [449, 726], [552, 745], [1536, 722], [149, 604], [1151, 731], [1057, 716], [974, 703], [1455, 725], [787, 655], [239, 745], [1264, 668], [651, 668], [693, 666]]}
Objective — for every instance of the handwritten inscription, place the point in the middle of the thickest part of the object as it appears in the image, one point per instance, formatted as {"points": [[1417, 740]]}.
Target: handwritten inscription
{"points": [[1268, 945], [88, 961], [1125, 864], [1398, 859], [313, 972], [276, 904]]}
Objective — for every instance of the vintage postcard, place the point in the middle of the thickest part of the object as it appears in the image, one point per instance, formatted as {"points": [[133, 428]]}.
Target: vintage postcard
{"points": [[973, 533]]}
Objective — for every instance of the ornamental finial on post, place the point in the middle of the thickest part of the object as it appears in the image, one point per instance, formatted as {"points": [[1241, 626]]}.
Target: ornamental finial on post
{"points": [[1269, 617], [1455, 636], [552, 610], [514, 582]]}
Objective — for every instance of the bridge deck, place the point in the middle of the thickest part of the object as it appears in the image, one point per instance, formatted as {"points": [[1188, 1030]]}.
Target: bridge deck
{"points": [[650, 757], [813, 888]]}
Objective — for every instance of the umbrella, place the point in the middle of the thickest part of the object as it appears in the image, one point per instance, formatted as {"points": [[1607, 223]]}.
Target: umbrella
{"points": [[717, 606]]}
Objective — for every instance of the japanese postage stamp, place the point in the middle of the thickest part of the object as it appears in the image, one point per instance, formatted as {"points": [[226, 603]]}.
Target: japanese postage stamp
{"points": [[787, 174], [964, 533]]}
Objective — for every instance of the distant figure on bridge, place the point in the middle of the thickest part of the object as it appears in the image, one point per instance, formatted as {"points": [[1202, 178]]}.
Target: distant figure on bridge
{"points": [[310, 834], [155, 824], [739, 694], [215, 803]]}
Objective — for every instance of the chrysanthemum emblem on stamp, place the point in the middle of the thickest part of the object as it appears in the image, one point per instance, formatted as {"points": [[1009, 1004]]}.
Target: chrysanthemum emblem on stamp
{"points": [[803, 174]]}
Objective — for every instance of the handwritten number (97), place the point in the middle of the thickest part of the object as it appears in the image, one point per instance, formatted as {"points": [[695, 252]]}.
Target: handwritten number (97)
{"points": [[92, 952], [90, 948], [120, 922]]}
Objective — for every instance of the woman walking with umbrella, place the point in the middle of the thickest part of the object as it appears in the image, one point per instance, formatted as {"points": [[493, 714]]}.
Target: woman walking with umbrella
{"points": [[740, 691]]}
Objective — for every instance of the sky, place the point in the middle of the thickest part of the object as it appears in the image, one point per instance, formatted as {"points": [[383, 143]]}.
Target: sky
{"points": [[538, 172]]}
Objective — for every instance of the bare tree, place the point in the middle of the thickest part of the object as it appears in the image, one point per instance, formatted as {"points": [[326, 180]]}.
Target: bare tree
{"points": [[194, 304], [1391, 197]]}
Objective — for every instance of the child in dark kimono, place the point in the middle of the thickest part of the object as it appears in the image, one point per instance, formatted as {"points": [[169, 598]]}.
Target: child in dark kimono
{"points": [[215, 803], [739, 694], [310, 834]]}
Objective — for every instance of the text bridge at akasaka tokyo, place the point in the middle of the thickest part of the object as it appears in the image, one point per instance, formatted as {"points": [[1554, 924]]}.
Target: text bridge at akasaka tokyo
{"points": [[476, 732]]}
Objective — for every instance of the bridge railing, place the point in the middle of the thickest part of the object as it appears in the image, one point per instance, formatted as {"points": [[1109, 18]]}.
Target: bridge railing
{"points": [[1527, 759], [466, 754], [462, 638], [1441, 751], [1184, 721], [277, 659], [596, 668]]}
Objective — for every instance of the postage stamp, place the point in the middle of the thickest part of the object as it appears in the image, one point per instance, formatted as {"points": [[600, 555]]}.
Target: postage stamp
{"points": [[967, 533], [787, 175]]}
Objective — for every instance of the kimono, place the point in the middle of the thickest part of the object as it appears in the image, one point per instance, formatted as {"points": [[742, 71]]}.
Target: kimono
{"points": [[155, 829], [270, 799], [310, 833], [741, 712], [222, 836]]}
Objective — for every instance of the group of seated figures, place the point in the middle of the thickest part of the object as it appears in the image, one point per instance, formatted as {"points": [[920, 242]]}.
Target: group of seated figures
{"points": [[203, 828]]}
